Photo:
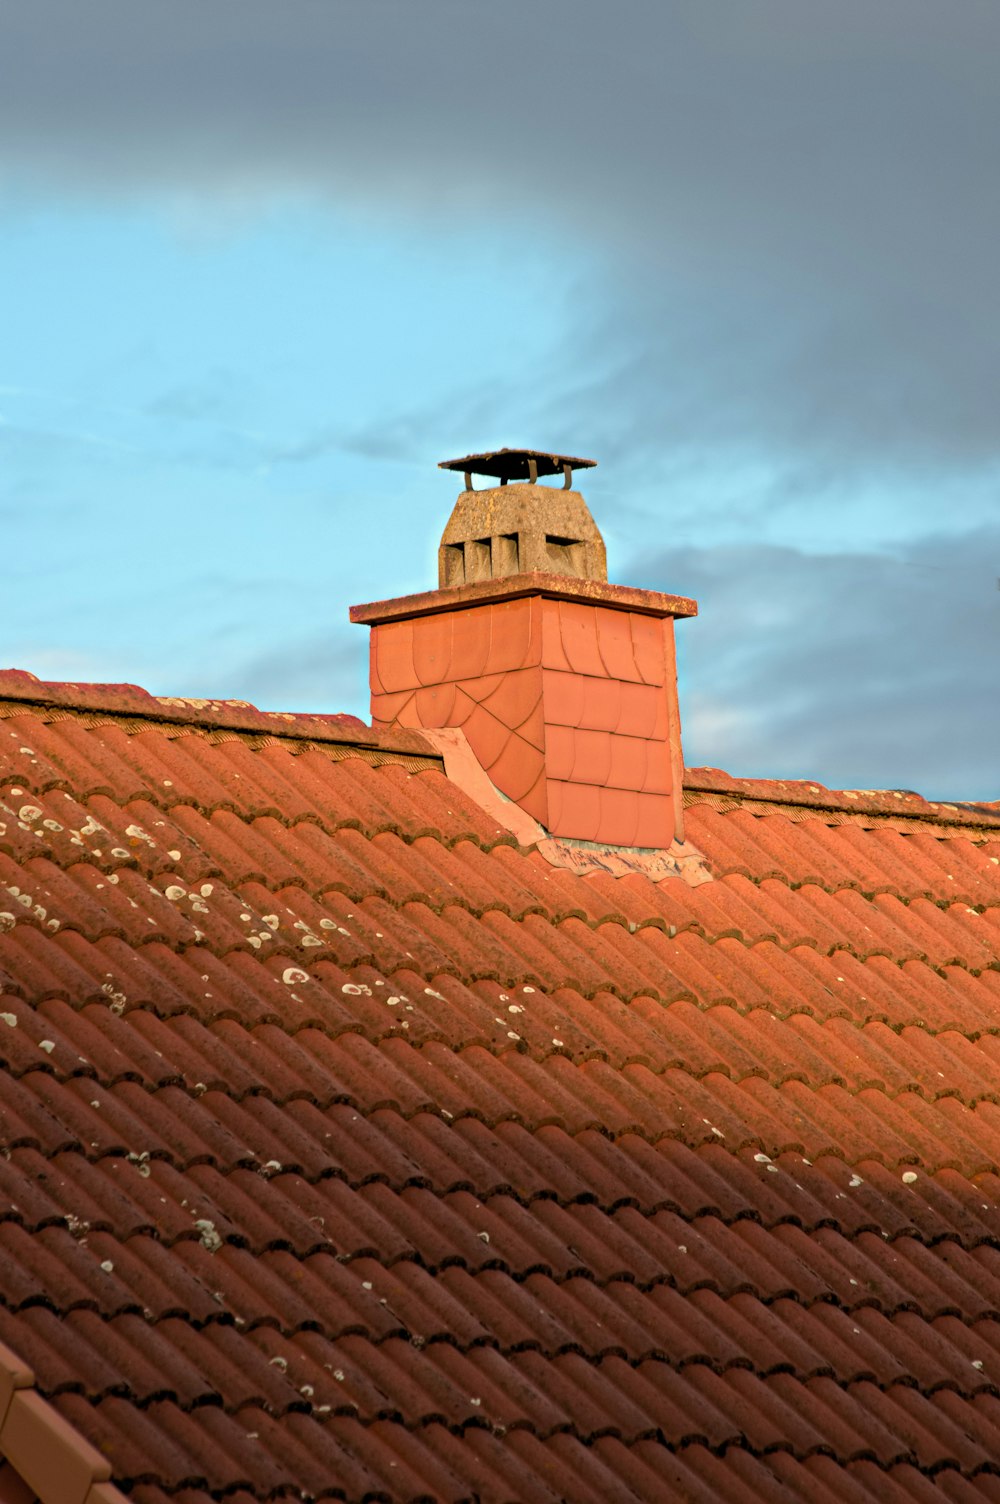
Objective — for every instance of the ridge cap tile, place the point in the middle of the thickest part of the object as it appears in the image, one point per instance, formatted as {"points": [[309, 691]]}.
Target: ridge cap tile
{"points": [[899, 803]]}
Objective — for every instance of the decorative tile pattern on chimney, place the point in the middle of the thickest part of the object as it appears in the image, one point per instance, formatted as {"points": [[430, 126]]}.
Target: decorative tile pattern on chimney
{"points": [[564, 685]]}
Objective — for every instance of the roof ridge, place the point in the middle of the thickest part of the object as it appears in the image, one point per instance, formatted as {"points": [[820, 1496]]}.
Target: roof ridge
{"points": [[126, 702], [129, 702], [801, 794]]}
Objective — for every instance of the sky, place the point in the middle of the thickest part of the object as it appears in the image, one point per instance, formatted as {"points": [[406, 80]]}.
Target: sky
{"points": [[263, 265]]}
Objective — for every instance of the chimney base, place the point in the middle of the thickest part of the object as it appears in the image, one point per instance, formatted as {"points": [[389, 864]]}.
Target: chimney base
{"points": [[566, 690]]}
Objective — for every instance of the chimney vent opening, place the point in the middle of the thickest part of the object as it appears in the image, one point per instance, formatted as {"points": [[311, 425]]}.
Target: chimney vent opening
{"points": [[506, 555], [566, 556]]}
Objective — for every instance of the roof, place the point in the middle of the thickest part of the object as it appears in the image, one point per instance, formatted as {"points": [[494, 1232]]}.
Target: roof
{"points": [[354, 1151]]}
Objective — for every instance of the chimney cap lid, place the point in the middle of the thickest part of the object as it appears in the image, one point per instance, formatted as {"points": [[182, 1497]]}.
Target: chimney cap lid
{"points": [[516, 464]]}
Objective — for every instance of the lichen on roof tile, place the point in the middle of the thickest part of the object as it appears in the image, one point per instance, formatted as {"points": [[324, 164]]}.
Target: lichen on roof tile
{"points": [[352, 1149]]}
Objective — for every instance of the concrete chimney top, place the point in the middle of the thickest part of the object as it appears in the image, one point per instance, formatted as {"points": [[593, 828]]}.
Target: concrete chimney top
{"points": [[506, 530]]}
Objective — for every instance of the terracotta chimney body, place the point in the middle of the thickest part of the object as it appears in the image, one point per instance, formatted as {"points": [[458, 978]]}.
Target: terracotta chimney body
{"points": [[564, 685]]}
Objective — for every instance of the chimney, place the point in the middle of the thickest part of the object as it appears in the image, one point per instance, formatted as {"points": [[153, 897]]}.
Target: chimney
{"points": [[564, 686]]}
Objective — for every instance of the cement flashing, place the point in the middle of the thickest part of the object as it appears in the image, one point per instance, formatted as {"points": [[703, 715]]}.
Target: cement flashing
{"points": [[681, 860]]}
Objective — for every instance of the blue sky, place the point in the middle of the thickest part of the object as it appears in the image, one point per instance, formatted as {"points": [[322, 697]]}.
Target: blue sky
{"points": [[259, 273]]}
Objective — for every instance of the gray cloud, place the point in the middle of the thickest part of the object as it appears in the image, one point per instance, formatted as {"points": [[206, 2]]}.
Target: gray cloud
{"points": [[779, 223], [856, 669], [796, 203], [859, 670]]}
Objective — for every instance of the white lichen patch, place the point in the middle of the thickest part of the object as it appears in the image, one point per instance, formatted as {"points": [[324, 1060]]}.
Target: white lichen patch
{"points": [[117, 999], [208, 1236]]}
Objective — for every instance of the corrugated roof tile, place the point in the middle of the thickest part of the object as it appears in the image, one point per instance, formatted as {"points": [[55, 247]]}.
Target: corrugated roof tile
{"points": [[520, 1151]]}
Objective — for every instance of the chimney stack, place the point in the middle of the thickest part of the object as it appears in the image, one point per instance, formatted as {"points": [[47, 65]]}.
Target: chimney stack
{"points": [[564, 685]]}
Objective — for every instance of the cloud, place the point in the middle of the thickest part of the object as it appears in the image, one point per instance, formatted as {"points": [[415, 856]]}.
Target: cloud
{"points": [[778, 228], [795, 204], [211, 398], [326, 673], [856, 669]]}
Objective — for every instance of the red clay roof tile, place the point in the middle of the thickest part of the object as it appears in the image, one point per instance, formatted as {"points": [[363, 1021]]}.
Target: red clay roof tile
{"points": [[547, 1186]]}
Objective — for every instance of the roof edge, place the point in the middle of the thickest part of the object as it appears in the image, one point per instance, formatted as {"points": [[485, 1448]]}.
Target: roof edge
{"points": [[130, 701], [899, 804], [44, 1448]]}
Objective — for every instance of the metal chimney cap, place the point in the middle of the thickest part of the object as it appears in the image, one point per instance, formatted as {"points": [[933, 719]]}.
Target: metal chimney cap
{"points": [[517, 464]]}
